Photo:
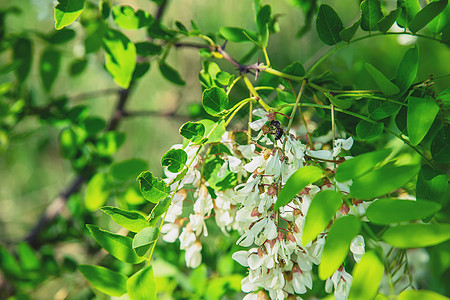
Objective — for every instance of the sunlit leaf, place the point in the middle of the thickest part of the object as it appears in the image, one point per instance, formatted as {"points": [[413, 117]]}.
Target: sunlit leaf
{"points": [[68, 143], [431, 184], [158, 210], [67, 11], [27, 256], [321, 210], [438, 24], [420, 295], [144, 239], [133, 221], [389, 211], [174, 160], [385, 85], [361, 164], [367, 276], [381, 181], [370, 14], [417, 235], [126, 18], [213, 130], [426, 14], [97, 191], [152, 188], [295, 69], [297, 182], [407, 70], [141, 286], [106, 281], [193, 131], [328, 25], [128, 169], [421, 114], [387, 21], [409, 9], [215, 101], [347, 34], [237, 35], [120, 57], [337, 244], [9, 264], [49, 67], [368, 130], [117, 245]]}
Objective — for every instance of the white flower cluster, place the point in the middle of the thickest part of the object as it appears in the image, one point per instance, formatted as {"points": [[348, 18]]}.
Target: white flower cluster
{"points": [[277, 261]]}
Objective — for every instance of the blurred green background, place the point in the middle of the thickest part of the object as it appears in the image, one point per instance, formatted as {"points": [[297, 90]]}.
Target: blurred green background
{"points": [[32, 171]]}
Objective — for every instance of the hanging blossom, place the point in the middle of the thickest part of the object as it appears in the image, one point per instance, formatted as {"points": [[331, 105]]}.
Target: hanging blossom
{"points": [[278, 264]]}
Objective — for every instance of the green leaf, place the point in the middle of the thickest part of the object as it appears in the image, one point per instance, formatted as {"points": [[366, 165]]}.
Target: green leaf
{"points": [[141, 286], [68, 143], [428, 13], [328, 25], [321, 211], [117, 245], [23, 52], [67, 11], [120, 57], [286, 97], [215, 101], [407, 70], [60, 37], [93, 125], [8, 263], [96, 31], [238, 35], [140, 70], [417, 235], [370, 14], [385, 85], [174, 160], [440, 147], [420, 295], [133, 221], [77, 66], [152, 188], [28, 258], [97, 192], [295, 69], [380, 109], [213, 130], [297, 182], [367, 130], [171, 74], [193, 131], [49, 67], [387, 21], [421, 114], [148, 49], [357, 166], [409, 9], [389, 211], [367, 276], [106, 281], [158, 210], [337, 244], [381, 181], [144, 239], [347, 34], [109, 143], [128, 169], [126, 18], [438, 24], [432, 184], [262, 20], [210, 174]]}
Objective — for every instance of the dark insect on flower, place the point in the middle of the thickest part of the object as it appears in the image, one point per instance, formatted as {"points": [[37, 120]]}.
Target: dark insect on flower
{"points": [[276, 128]]}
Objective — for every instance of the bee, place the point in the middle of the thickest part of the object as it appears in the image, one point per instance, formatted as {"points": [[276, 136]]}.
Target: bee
{"points": [[276, 128]]}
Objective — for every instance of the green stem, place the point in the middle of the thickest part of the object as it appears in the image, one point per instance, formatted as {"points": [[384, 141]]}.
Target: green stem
{"points": [[236, 108], [233, 84], [280, 74], [255, 93]]}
